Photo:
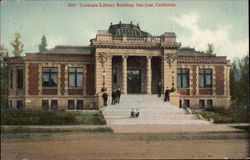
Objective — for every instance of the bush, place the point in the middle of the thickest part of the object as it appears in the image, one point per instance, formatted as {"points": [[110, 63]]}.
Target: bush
{"points": [[231, 115], [32, 117]]}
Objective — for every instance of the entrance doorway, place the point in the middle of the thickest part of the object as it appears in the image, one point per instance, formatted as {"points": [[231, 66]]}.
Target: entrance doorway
{"points": [[134, 81]]}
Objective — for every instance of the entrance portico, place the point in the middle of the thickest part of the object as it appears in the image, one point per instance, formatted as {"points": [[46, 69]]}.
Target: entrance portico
{"points": [[133, 74]]}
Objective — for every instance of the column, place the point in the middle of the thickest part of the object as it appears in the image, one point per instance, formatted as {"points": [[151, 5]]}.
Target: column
{"points": [[124, 74], [149, 75]]}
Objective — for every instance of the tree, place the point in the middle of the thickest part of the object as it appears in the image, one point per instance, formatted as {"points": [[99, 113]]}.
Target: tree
{"points": [[239, 80], [210, 49], [17, 45], [43, 45], [3, 77]]}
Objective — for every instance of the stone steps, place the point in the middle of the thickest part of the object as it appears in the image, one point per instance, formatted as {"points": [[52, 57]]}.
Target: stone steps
{"points": [[152, 111]]}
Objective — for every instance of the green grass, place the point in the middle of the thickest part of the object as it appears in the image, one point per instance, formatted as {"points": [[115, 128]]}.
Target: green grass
{"points": [[231, 115], [19, 130], [34, 117]]}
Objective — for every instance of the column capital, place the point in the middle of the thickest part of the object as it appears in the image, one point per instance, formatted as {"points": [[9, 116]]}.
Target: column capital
{"points": [[124, 56], [149, 57]]}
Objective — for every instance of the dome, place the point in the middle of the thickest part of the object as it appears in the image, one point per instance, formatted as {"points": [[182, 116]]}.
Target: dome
{"points": [[129, 30]]}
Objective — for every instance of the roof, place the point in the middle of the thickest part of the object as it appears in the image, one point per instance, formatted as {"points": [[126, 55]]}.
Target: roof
{"points": [[70, 50], [212, 60], [191, 52], [129, 30]]}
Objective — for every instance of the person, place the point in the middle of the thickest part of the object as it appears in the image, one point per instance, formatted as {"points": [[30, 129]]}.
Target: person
{"points": [[105, 98], [132, 113], [159, 88], [114, 97], [137, 113], [167, 91], [118, 94]]}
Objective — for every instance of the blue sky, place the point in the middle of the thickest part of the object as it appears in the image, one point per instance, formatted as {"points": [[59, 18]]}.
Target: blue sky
{"points": [[196, 22]]}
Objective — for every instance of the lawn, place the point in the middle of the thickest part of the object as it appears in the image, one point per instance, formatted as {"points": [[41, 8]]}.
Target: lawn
{"points": [[34, 117], [226, 115]]}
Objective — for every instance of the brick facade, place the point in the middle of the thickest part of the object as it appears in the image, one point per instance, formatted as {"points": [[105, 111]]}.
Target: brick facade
{"points": [[90, 79], [219, 80], [33, 79]]}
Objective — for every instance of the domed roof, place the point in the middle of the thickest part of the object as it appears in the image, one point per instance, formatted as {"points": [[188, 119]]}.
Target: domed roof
{"points": [[129, 30]]}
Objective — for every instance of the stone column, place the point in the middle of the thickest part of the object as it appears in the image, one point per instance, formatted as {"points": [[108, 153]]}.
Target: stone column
{"points": [[124, 74], [149, 75]]}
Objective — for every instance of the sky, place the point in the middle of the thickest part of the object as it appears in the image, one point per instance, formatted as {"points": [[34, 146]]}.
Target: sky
{"points": [[224, 23]]}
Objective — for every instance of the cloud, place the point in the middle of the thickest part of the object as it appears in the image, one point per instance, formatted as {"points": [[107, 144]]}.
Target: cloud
{"points": [[219, 37]]}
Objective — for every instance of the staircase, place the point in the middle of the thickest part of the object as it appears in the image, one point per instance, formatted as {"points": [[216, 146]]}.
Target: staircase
{"points": [[152, 111]]}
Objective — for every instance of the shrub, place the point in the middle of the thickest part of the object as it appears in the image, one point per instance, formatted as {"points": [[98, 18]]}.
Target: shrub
{"points": [[231, 115], [32, 117]]}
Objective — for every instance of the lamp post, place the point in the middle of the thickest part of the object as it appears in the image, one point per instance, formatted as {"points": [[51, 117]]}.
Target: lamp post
{"points": [[173, 89], [103, 82]]}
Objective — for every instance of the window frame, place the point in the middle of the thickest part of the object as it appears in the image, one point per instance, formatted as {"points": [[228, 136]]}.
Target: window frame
{"points": [[43, 102], [52, 105], [50, 74], [71, 100], [77, 105], [19, 79], [202, 101], [11, 79], [203, 75], [75, 73], [182, 74]]}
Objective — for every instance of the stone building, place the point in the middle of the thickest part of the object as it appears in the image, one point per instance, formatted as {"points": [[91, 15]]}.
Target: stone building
{"points": [[124, 56]]}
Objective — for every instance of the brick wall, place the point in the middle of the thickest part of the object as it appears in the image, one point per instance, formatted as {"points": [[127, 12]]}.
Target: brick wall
{"points": [[206, 91], [33, 79], [49, 91], [75, 91], [62, 78], [194, 80], [90, 79], [183, 91], [219, 70]]}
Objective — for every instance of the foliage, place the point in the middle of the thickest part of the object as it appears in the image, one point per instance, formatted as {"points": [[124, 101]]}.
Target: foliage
{"points": [[35, 117], [3, 77], [16, 130], [230, 115], [239, 81], [17, 45], [210, 49], [43, 45]]}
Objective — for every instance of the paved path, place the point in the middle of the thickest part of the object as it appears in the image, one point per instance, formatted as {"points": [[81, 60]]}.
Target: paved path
{"points": [[153, 111]]}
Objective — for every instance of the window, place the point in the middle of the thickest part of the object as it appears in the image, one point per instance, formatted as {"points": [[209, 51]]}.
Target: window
{"points": [[11, 79], [45, 105], [71, 104], [182, 78], [79, 105], [205, 78], [210, 103], [19, 78], [75, 77], [19, 105], [10, 104], [115, 75], [186, 103], [201, 103], [54, 105], [180, 103], [49, 77]]}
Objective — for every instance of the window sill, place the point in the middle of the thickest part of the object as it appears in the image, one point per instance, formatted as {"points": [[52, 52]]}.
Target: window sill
{"points": [[49, 88]]}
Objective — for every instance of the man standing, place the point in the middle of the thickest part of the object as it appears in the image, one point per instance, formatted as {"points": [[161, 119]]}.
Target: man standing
{"points": [[114, 95], [167, 91], [105, 98], [159, 88], [118, 94]]}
